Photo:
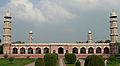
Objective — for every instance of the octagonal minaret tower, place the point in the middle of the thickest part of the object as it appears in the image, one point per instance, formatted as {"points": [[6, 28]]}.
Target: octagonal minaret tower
{"points": [[89, 36], [7, 32], [113, 33], [30, 37], [113, 27]]}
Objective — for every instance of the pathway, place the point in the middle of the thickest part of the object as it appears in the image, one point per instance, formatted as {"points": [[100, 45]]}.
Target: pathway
{"points": [[82, 62], [31, 64], [61, 63]]}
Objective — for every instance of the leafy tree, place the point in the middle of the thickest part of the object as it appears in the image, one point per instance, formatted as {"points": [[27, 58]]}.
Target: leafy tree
{"points": [[107, 41], [39, 62], [70, 58], [77, 63], [11, 59], [112, 58], [51, 59], [94, 60], [119, 47]]}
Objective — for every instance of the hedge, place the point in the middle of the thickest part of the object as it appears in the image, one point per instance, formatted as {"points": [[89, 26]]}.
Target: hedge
{"points": [[51, 59], [39, 62], [70, 58], [78, 63], [94, 60]]}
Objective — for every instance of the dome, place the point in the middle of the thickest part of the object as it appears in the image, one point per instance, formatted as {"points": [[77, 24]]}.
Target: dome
{"points": [[89, 31], [31, 31], [7, 13], [113, 13]]}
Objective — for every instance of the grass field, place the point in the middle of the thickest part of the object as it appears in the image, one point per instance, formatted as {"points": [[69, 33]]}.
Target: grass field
{"points": [[114, 63], [70, 64], [16, 62]]}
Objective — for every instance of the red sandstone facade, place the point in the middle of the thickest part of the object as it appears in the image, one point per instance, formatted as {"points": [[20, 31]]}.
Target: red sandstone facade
{"points": [[35, 50]]}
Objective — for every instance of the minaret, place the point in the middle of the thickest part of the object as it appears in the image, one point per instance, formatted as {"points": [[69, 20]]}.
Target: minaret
{"points": [[113, 27], [113, 33], [30, 37], [7, 32], [89, 36]]}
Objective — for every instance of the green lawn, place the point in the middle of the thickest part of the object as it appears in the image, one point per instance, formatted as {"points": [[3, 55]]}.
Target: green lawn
{"points": [[114, 63], [16, 62], [70, 64]]}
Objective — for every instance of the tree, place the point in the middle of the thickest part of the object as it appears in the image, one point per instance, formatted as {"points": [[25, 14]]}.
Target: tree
{"points": [[78, 63], [107, 41], [51, 59], [11, 59], [70, 58], [119, 47], [94, 60], [112, 58], [39, 62]]}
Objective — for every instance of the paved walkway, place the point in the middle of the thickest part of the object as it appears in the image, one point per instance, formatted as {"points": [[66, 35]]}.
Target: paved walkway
{"points": [[61, 63], [82, 62], [31, 64]]}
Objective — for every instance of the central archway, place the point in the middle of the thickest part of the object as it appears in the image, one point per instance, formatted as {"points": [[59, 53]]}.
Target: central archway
{"points": [[60, 50]]}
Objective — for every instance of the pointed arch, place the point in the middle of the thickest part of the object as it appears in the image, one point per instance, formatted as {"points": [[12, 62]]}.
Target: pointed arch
{"points": [[90, 50], [98, 50], [46, 50], [106, 50], [38, 51], [83, 50], [75, 50], [60, 50], [22, 50], [30, 50], [15, 51]]}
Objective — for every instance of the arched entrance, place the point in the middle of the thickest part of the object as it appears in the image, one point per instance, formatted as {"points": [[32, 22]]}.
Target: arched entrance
{"points": [[22, 50], [82, 50], [75, 50], [98, 50], [15, 51], [90, 50], [30, 51], [38, 51], [106, 50], [60, 50], [46, 50], [54, 51]]}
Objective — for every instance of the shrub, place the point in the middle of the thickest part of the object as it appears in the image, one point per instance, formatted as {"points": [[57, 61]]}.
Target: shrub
{"points": [[70, 58], [11, 59], [77, 63], [112, 58], [5, 56], [94, 60], [28, 57], [51, 59], [39, 62]]}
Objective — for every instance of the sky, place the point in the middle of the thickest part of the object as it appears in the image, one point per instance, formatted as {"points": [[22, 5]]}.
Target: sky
{"points": [[59, 20]]}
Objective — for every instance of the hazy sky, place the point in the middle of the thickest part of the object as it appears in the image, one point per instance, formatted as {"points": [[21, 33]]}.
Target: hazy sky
{"points": [[59, 20]]}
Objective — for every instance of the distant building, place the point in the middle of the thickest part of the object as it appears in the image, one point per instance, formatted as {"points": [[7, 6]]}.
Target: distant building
{"points": [[39, 49]]}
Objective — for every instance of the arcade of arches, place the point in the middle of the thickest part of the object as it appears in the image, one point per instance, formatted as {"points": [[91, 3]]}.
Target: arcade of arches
{"points": [[60, 50]]}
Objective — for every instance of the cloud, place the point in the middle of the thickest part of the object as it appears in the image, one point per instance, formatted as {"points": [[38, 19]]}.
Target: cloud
{"points": [[23, 9], [46, 11]]}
